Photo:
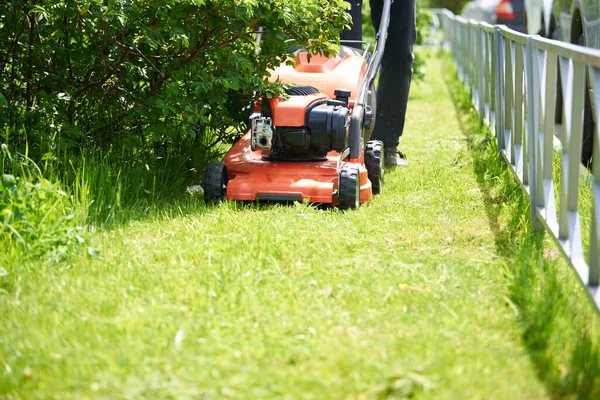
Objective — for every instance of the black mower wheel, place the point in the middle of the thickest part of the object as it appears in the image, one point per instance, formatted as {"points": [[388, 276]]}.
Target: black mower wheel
{"points": [[374, 161], [215, 181], [349, 187]]}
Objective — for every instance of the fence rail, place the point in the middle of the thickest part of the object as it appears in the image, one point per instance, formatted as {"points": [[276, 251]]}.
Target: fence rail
{"points": [[513, 81]]}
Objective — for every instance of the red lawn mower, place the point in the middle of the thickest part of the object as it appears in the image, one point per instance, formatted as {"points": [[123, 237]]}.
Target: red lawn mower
{"points": [[311, 146]]}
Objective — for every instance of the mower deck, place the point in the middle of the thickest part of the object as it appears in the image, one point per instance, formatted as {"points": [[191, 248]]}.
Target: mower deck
{"points": [[253, 177]]}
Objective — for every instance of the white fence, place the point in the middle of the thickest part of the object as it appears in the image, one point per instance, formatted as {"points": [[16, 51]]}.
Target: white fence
{"points": [[513, 80]]}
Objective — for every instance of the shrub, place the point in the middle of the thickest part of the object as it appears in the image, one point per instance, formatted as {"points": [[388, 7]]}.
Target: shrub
{"points": [[35, 215], [169, 75]]}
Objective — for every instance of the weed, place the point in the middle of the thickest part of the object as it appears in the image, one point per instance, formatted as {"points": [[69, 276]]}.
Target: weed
{"points": [[36, 215]]}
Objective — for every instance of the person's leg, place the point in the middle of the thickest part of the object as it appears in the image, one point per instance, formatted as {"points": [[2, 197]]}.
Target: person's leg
{"points": [[396, 71], [355, 33]]}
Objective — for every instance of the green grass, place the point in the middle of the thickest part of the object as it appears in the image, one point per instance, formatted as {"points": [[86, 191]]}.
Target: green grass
{"points": [[435, 289], [560, 326]]}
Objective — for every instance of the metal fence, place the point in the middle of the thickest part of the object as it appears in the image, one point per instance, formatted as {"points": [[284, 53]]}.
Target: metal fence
{"points": [[513, 81]]}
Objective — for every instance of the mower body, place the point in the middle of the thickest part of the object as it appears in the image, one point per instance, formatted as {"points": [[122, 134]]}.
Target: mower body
{"points": [[314, 144], [298, 146]]}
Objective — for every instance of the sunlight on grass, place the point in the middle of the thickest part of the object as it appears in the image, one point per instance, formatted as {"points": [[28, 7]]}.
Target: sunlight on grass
{"points": [[413, 295], [560, 326]]}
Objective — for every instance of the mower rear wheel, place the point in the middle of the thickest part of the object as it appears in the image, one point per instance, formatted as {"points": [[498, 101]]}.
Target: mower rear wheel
{"points": [[215, 181], [374, 161], [349, 187]]}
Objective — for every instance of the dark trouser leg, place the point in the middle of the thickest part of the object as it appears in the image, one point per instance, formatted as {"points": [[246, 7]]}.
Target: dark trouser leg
{"points": [[355, 33], [396, 70]]}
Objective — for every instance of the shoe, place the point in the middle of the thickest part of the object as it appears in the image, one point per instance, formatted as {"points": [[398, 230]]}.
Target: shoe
{"points": [[395, 158]]}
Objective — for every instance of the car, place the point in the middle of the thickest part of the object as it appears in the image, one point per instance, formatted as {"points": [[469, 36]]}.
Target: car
{"points": [[504, 12], [575, 22], [572, 21]]}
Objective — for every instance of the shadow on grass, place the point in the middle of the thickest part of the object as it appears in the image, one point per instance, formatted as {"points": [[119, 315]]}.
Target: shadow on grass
{"points": [[559, 326], [110, 191]]}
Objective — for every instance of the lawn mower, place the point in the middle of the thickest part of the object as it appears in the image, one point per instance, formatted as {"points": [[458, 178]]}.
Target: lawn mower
{"points": [[313, 145]]}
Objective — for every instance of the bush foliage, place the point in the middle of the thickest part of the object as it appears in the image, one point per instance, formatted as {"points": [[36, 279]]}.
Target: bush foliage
{"points": [[92, 73]]}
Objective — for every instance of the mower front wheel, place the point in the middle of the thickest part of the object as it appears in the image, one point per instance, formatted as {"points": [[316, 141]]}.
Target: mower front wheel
{"points": [[374, 161], [349, 187], [215, 181]]}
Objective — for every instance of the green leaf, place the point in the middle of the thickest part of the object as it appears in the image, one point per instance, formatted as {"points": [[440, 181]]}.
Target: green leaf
{"points": [[8, 180], [234, 84], [93, 253], [64, 97], [3, 102]]}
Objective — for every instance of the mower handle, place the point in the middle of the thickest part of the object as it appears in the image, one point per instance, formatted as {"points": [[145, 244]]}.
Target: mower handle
{"points": [[356, 124], [380, 41]]}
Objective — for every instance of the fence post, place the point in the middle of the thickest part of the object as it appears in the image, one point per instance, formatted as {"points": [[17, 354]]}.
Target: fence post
{"points": [[517, 120], [481, 71], [499, 89], [508, 92], [532, 108], [493, 84], [573, 88], [550, 69], [468, 58]]}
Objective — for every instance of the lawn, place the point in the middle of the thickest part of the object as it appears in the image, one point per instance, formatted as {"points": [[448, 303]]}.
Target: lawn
{"points": [[422, 293]]}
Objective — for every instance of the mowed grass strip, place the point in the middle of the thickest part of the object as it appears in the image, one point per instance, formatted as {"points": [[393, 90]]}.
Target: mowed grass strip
{"points": [[402, 297]]}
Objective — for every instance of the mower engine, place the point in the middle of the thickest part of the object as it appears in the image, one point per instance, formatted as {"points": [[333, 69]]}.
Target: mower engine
{"points": [[302, 128]]}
